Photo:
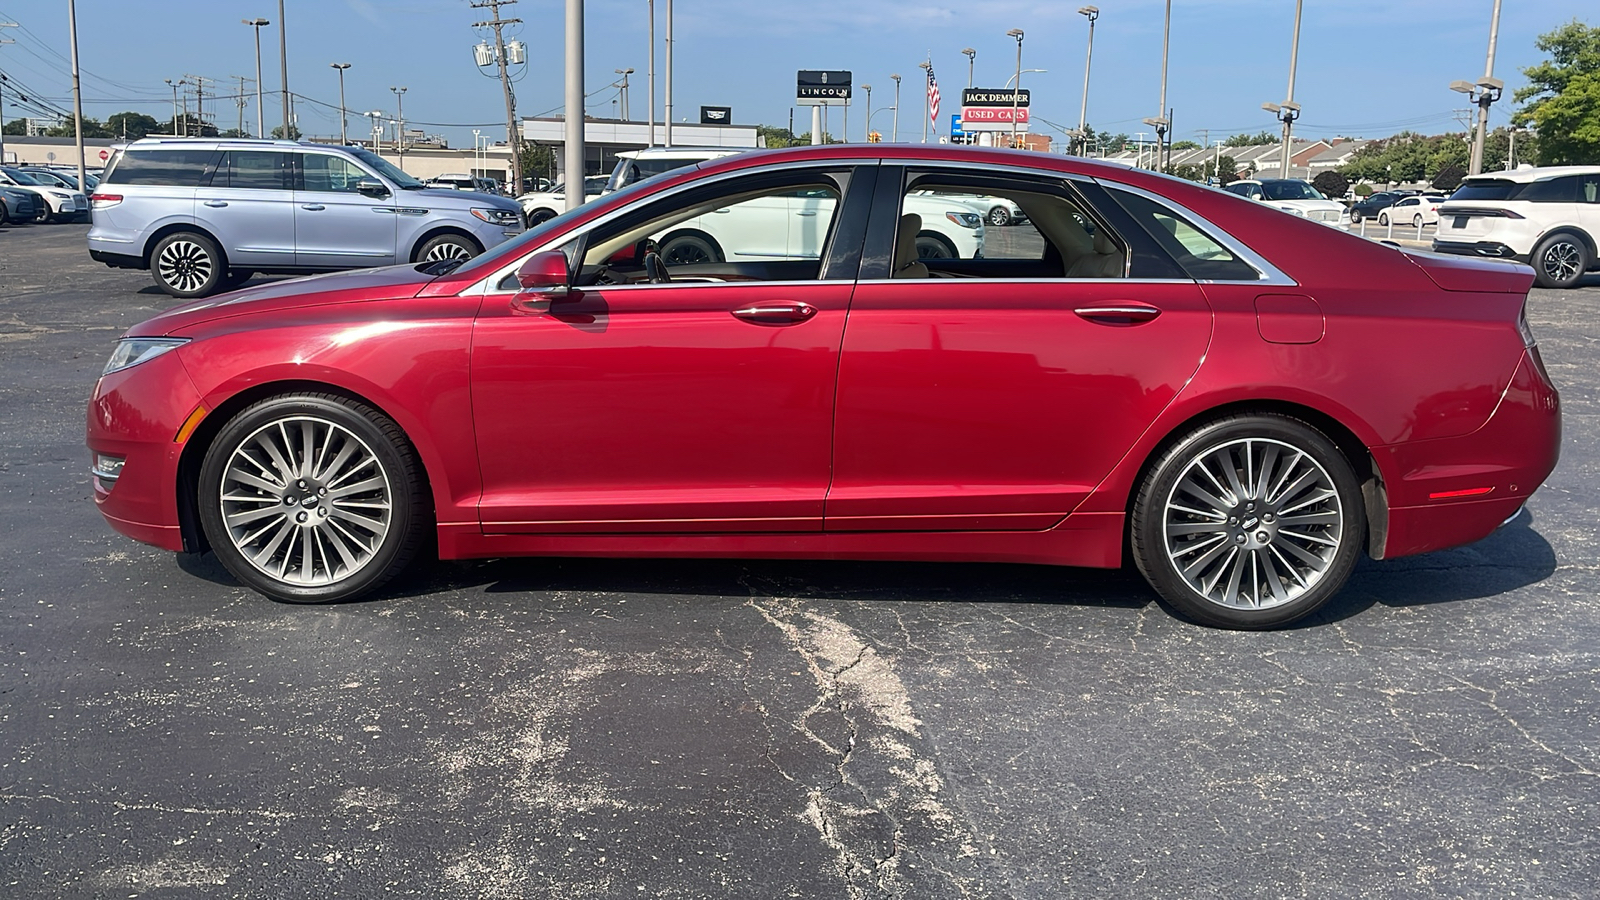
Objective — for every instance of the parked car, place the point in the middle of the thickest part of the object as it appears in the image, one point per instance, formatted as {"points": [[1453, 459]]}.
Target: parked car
{"points": [[1244, 420], [636, 165], [1413, 211], [1291, 195], [461, 182], [996, 211], [64, 177], [18, 206], [542, 206], [1549, 217], [203, 215], [1371, 206], [56, 203]]}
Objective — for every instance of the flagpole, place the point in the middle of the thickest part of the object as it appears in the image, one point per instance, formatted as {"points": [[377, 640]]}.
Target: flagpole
{"points": [[927, 90]]}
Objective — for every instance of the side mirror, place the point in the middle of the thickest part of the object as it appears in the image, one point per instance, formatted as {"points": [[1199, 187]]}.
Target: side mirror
{"points": [[372, 187], [546, 273]]}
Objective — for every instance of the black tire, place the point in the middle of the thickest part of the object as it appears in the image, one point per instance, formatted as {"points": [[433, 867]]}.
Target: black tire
{"points": [[932, 245], [999, 217], [690, 247], [43, 216], [1355, 216], [347, 439], [1197, 563], [446, 246], [236, 277], [540, 216], [187, 264], [1560, 261], [1383, 218], [1416, 221]]}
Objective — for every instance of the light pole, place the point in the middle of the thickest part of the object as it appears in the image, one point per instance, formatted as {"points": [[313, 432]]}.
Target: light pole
{"points": [[400, 123], [1016, 95], [344, 120], [376, 116], [666, 88], [624, 73], [650, 117], [971, 55], [1288, 110], [1159, 122], [260, 118], [1092, 12], [869, 119], [1484, 94], [896, 134], [477, 158], [868, 133], [174, 85], [283, 63], [927, 113]]}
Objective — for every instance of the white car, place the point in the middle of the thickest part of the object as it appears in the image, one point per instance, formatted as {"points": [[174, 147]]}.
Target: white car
{"points": [[1292, 196], [1413, 211], [637, 165], [1547, 217], [60, 204], [793, 226], [997, 211], [463, 182], [542, 206]]}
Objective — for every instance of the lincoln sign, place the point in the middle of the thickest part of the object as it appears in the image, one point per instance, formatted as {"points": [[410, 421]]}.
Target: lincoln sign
{"points": [[822, 88], [987, 109]]}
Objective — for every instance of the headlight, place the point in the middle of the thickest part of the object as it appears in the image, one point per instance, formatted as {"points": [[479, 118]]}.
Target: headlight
{"points": [[497, 216], [965, 219], [132, 351], [61, 195], [1289, 209]]}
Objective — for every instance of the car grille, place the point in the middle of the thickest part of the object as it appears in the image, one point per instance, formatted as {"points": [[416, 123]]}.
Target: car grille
{"points": [[1324, 215]]}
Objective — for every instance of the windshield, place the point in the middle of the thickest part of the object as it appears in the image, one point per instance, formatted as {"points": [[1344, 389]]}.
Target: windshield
{"points": [[387, 169], [633, 171], [60, 177], [540, 233], [1487, 189], [21, 177], [1289, 190]]}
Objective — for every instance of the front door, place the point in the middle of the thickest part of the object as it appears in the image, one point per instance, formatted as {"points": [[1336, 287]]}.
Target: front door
{"points": [[695, 397], [336, 226]]}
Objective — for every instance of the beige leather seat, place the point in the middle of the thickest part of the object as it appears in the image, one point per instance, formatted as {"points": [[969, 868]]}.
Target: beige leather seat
{"points": [[1104, 260], [906, 264]]}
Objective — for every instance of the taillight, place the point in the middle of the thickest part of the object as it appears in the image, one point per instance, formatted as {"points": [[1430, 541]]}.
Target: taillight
{"points": [[102, 201]]}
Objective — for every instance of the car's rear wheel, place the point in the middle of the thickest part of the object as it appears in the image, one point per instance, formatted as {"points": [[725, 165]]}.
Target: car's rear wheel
{"points": [[540, 216], [236, 277], [1383, 218], [688, 248], [187, 265], [310, 498], [999, 216], [1416, 221], [1560, 261], [1355, 216], [446, 246], [5, 214], [1249, 522], [44, 216], [931, 245]]}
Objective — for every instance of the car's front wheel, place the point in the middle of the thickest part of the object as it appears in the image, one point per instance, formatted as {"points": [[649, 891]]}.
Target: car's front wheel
{"points": [[688, 248], [1560, 261], [310, 498], [999, 216], [1383, 218], [1249, 522], [446, 246], [931, 245], [1416, 221], [187, 265]]}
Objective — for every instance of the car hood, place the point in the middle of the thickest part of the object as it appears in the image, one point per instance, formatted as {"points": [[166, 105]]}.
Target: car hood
{"points": [[354, 286], [450, 198], [1305, 205]]}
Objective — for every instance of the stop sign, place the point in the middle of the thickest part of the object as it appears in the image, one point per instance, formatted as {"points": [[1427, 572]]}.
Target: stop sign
{"points": [[104, 156]]}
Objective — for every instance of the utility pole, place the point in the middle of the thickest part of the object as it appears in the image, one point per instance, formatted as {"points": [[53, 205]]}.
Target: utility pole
{"points": [[513, 135], [573, 139], [174, 85], [1159, 123], [1092, 13], [1488, 93], [77, 92], [400, 120], [3, 99], [651, 118], [1288, 110], [344, 117], [283, 64], [668, 106], [624, 87], [240, 102], [199, 82], [261, 127]]}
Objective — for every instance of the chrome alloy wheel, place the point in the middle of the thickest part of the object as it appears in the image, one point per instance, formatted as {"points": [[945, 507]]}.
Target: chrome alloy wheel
{"points": [[305, 501], [1253, 524], [185, 265], [1562, 261], [446, 250]]}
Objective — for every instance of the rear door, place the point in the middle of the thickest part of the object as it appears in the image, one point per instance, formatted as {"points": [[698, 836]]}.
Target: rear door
{"points": [[1589, 204], [336, 226], [249, 206]]}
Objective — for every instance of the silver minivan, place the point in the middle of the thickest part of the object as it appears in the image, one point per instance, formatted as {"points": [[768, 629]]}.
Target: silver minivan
{"points": [[203, 215]]}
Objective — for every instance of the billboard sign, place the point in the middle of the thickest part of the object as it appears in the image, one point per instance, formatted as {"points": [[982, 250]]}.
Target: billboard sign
{"points": [[992, 118], [991, 97], [817, 87], [716, 115]]}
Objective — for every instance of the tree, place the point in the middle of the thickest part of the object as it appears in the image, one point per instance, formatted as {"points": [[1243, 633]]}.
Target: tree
{"points": [[1565, 95], [1115, 143], [91, 129], [294, 132], [538, 161], [1189, 171], [773, 136], [18, 127], [1363, 191], [1331, 184], [1251, 140], [1449, 178], [1227, 169], [1185, 145], [234, 133], [131, 125]]}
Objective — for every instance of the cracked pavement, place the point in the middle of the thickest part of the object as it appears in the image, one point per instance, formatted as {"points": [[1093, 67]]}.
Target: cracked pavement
{"points": [[609, 728]]}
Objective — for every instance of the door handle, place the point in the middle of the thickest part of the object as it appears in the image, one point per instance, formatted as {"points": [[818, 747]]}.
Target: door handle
{"points": [[806, 212], [1118, 313], [777, 313], [314, 207], [216, 204]]}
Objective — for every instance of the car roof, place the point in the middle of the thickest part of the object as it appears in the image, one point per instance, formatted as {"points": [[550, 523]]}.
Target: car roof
{"points": [[215, 142], [682, 152], [1534, 173]]}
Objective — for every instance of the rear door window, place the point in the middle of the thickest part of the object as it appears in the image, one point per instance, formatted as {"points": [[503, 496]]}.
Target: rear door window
{"points": [[176, 168], [1201, 256], [260, 169], [1554, 190]]}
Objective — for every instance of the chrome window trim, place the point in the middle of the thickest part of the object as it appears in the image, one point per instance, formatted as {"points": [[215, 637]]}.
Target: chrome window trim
{"points": [[1056, 281], [1270, 274], [486, 286]]}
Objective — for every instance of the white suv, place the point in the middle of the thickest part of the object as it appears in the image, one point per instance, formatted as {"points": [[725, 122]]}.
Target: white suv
{"points": [[637, 165], [1546, 217], [1292, 196]]}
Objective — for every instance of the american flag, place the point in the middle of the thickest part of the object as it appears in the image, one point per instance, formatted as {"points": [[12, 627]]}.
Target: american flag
{"points": [[933, 97]]}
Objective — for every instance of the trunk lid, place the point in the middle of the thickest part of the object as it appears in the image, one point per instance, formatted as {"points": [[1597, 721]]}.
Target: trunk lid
{"points": [[1472, 274]]}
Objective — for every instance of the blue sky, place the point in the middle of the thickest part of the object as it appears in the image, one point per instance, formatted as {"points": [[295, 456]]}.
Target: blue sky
{"points": [[1367, 68]]}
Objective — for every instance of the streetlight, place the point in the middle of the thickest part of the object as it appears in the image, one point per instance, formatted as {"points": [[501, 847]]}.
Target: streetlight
{"points": [[1289, 110], [1092, 12], [624, 73], [1012, 79], [1016, 96], [1159, 122], [261, 128], [971, 55], [376, 116], [1484, 93], [400, 123], [868, 89], [343, 119], [896, 78], [174, 85]]}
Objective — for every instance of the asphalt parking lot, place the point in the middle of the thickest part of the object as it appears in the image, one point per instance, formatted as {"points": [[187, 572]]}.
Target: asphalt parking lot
{"points": [[573, 729]]}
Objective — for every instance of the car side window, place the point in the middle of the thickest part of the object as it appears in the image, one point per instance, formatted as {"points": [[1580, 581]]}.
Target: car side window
{"points": [[260, 169], [1554, 190], [174, 168], [1589, 188], [334, 174], [1201, 256]]}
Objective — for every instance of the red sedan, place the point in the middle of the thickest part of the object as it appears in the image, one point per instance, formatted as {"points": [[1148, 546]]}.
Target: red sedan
{"points": [[1241, 399]]}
